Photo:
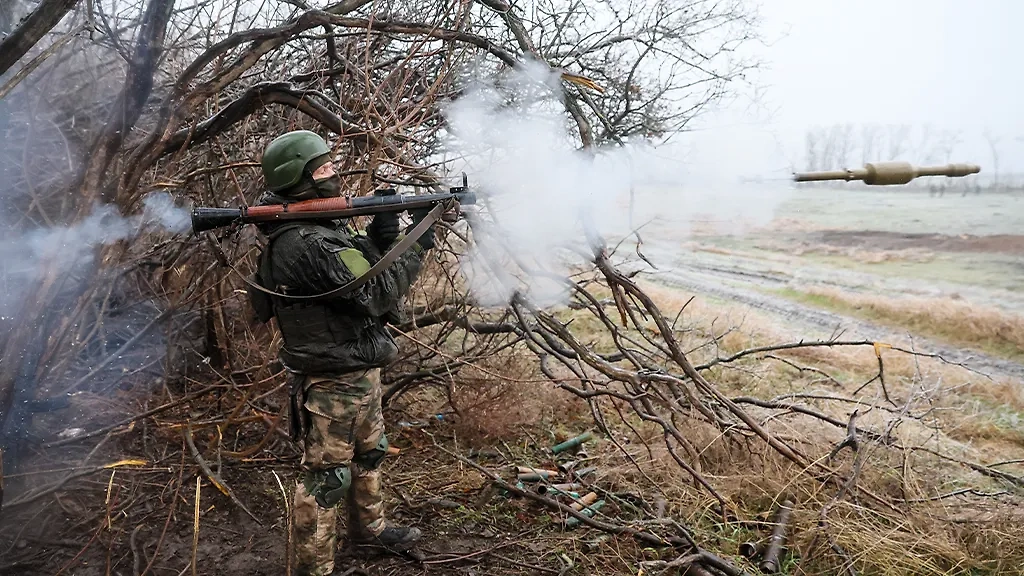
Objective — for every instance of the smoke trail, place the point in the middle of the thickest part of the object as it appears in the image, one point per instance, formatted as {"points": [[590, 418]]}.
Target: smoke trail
{"points": [[72, 248], [539, 189]]}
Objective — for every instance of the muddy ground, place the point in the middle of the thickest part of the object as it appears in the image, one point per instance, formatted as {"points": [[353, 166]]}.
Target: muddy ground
{"points": [[895, 241]]}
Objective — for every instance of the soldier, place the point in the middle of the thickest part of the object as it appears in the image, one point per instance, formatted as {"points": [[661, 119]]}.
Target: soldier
{"points": [[334, 348]]}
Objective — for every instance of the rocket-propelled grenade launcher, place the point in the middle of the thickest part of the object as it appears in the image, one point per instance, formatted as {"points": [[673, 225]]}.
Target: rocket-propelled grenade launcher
{"points": [[204, 219], [888, 173]]}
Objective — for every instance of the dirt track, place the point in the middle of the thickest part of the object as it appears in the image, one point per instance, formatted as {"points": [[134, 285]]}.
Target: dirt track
{"points": [[812, 322], [881, 240]]}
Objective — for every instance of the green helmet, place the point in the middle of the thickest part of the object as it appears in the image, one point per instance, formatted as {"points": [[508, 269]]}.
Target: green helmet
{"points": [[287, 156]]}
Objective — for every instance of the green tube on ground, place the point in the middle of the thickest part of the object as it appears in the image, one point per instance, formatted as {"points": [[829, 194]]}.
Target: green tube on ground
{"points": [[588, 512], [571, 443]]}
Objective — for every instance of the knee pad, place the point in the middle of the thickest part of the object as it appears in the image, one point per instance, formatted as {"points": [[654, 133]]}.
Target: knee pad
{"points": [[329, 486], [371, 460]]}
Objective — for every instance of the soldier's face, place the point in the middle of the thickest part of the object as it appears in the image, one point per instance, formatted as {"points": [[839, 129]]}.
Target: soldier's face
{"points": [[324, 172]]}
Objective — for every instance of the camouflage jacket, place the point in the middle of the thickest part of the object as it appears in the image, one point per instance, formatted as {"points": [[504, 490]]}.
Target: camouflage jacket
{"points": [[331, 335]]}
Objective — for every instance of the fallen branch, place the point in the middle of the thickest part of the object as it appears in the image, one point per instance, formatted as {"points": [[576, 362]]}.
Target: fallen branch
{"points": [[980, 468], [700, 557], [214, 478]]}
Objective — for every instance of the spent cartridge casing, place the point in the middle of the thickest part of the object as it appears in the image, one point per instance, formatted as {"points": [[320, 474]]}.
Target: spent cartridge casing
{"points": [[584, 472], [770, 561], [751, 549], [571, 443], [558, 488], [589, 512], [537, 476], [533, 470], [586, 500]]}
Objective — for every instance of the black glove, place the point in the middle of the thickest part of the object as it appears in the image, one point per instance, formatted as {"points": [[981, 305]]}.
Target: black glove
{"points": [[383, 229], [426, 241]]}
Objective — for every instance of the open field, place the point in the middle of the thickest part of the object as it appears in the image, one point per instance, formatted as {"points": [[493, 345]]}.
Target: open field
{"points": [[851, 260]]}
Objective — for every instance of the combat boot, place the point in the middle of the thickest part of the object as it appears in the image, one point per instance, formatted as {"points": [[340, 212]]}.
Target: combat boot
{"points": [[392, 539]]}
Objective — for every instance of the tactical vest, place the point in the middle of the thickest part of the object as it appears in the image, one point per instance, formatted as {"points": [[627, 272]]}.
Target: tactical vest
{"points": [[319, 336]]}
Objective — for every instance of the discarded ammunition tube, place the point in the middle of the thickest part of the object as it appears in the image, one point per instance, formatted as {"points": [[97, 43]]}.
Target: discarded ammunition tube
{"points": [[572, 487], [537, 476], [571, 443], [532, 470], [565, 467], [770, 561], [588, 499], [558, 488], [750, 550], [589, 511], [584, 472]]}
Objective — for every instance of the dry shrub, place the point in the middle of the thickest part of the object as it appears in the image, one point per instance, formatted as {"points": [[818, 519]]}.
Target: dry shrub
{"points": [[499, 397], [944, 536], [931, 533]]}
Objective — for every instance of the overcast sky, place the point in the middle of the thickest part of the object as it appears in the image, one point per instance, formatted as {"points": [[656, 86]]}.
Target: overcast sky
{"points": [[950, 64]]}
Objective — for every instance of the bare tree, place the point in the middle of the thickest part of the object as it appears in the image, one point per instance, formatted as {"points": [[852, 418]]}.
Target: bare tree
{"points": [[993, 146], [811, 150], [897, 141], [869, 142]]}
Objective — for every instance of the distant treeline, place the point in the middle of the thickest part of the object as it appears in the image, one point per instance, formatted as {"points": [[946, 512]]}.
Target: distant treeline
{"points": [[848, 145]]}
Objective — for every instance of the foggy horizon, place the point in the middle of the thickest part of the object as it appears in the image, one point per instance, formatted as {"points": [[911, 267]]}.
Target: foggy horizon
{"points": [[911, 62]]}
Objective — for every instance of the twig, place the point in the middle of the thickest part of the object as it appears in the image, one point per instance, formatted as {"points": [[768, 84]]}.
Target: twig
{"points": [[1004, 462], [699, 557], [170, 514], [850, 440], [134, 545], [123, 348], [804, 368], [288, 521], [195, 525], [40, 492], [881, 374], [981, 468], [974, 491], [214, 478]]}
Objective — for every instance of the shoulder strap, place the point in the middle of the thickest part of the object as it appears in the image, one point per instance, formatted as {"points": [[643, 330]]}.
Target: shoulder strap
{"points": [[393, 254]]}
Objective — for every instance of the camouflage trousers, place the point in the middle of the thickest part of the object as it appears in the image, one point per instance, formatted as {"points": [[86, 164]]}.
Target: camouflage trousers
{"points": [[344, 421]]}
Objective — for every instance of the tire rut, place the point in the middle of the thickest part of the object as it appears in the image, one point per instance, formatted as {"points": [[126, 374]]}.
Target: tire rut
{"points": [[713, 283]]}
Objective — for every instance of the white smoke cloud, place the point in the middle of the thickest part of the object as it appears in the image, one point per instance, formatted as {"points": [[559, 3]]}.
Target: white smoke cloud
{"points": [[72, 248], [538, 188]]}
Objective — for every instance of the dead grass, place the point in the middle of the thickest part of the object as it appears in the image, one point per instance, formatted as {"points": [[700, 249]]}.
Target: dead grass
{"points": [[504, 402], [959, 412], [960, 323]]}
